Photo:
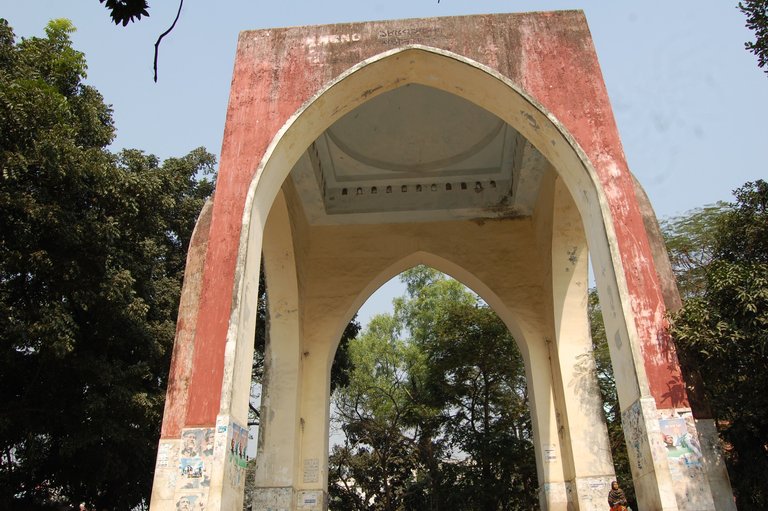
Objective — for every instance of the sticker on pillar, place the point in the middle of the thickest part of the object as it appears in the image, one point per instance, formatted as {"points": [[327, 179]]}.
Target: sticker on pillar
{"points": [[207, 446], [237, 459], [191, 472], [190, 443], [681, 443], [311, 470], [165, 457], [549, 453], [310, 499], [166, 473]]}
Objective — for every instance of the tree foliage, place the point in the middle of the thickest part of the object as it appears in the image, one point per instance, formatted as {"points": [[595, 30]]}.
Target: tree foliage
{"points": [[724, 331], [756, 12], [476, 376], [690, 241], [435, 415], [91, 260], [374, 467], [125, 11]]}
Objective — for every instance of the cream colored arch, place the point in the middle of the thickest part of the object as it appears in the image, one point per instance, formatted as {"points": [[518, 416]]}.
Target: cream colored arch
{"points": [[446, 266], [552, 454], [487, 89], [484, 87]]}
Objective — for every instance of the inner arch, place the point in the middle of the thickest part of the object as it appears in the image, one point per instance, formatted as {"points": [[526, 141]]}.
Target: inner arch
{"points": [[449, 268]]}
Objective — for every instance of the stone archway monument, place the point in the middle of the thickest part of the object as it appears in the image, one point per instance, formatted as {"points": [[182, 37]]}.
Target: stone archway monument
{"points": [[483, 146]]}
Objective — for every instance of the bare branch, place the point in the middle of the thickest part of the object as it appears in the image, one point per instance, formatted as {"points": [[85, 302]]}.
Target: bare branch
{"points": [[157, 43]]}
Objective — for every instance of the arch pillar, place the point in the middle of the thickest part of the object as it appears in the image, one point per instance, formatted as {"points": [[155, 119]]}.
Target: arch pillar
{"points": [[545, 418], [279, 444], [589, 463]]}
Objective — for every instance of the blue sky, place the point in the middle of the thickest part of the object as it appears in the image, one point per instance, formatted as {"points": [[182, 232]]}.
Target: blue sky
{"points": [[690, 102]]}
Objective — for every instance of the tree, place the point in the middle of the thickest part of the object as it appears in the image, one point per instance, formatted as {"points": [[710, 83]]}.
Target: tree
{"points": [[724, 331], [756, 12], [476, 376], [436, 414], [375, 467], [690, 241], [125, 11], [91, 260]]}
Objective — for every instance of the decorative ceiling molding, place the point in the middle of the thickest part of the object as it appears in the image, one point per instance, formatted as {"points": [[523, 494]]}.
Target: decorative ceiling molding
{"points": [[417, 153]]}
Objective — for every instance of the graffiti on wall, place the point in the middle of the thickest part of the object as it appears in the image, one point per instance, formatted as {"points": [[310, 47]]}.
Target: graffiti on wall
{"points": [[634, 432]]}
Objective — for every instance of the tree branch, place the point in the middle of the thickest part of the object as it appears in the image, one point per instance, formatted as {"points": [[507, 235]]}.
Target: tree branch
{"points": [[157, 43]]}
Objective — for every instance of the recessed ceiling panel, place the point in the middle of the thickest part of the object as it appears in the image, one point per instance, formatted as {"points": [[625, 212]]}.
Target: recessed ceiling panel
{"points": [[416, 153]]}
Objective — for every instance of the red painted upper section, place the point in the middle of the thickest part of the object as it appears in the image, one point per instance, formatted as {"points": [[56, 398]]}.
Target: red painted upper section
{"points": [[549, 55]]}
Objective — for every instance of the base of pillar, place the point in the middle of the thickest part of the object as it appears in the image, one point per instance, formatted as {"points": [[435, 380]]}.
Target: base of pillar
{"points": [[591, 493], [687, 466], [714, 465], [553, 496], [288, 499], [277, 499]]}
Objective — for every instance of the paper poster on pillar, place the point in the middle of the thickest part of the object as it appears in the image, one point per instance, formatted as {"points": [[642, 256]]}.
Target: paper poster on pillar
{"points": [[191, 501], [682, 444], [193, 476], [195, 459], [166, 472], [237, 460], [685, 459]]}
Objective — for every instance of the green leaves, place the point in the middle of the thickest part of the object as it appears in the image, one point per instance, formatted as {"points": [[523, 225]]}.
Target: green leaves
{"points": [[91, 261], [124, 11], [690, 243], [756, 12], [723, 330], [435, 414]]}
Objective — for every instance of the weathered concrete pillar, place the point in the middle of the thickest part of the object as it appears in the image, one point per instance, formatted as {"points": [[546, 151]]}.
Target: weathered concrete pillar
{"points": [[589, 466], [315, 409], [165, 491], [553, 488], [202, 451], [278, 446]]}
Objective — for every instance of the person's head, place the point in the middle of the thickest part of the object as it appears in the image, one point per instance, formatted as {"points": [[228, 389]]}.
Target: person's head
{"points": [[82, 506], [614, 485], [183, 504], [190, 441]]}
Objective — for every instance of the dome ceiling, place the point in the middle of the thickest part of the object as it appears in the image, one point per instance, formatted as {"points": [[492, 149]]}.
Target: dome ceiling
{"points": [[417, 154]]}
